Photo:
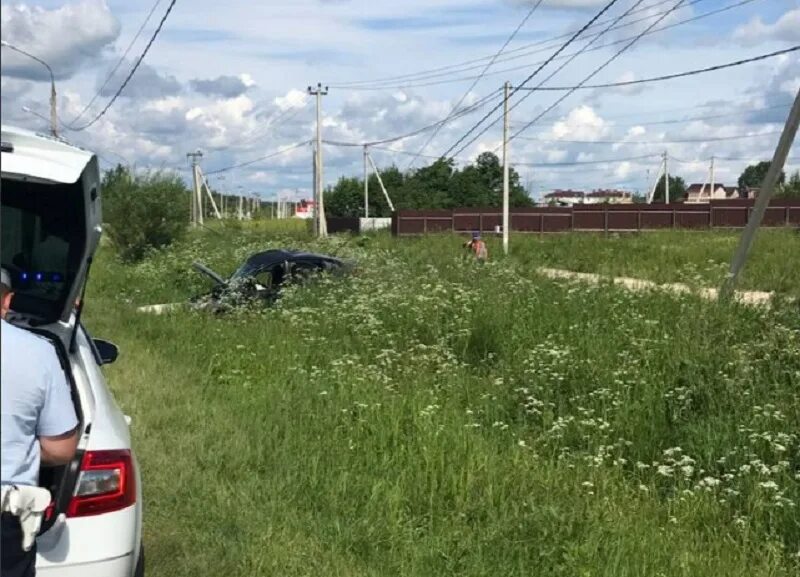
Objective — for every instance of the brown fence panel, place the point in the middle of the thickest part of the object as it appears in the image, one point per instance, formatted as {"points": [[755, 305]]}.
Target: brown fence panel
{"points": [[337, 224], [731, 213], [774, 216], [623, 220], [526, 222], [730, 216], [466, 221], [588, 220], [556, 222], [692, 217], [656, 219]]}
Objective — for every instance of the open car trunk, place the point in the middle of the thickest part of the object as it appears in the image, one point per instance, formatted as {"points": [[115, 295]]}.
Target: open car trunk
{"points": [[50, 229]]}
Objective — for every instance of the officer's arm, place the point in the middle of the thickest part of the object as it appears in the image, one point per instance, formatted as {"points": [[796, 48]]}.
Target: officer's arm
{"points": [[58, 424], [60, 449]]}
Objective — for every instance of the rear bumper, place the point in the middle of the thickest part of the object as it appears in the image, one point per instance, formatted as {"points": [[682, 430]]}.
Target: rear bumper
{"points": [[119, 567], [104, 545]]}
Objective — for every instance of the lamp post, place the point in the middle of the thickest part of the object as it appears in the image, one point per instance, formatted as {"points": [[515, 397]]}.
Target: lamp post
{"points": [[53, 114]]}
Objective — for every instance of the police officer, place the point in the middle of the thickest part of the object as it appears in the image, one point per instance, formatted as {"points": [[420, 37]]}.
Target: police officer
{"points": [[39, 425]]}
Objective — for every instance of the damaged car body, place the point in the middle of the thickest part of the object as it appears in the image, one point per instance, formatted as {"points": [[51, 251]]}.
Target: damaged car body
{"points": [[262, 277]]}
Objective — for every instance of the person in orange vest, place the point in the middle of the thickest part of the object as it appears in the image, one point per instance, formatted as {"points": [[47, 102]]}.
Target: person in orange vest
{"points": [[477, 246]]}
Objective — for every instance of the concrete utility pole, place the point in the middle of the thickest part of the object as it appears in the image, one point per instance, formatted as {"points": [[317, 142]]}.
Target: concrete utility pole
{"points": [[506, 219], [197, 195], [380, 182], [666, 178], [320, 224], [764, 195], [53, 108], [711, 195], [366, 184]]}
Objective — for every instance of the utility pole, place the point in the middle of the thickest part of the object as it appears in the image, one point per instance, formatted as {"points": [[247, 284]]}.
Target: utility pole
{"points": [[505, 167], [320, 225], [711, 194], [53, 106], [197, 195], [764, 195], [666, 178], [366, 184]]}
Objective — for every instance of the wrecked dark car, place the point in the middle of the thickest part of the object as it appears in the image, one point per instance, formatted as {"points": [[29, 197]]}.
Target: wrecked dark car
{"points": [[262, 276]]}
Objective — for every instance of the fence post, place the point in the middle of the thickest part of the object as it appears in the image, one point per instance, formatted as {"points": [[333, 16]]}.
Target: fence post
{"points": [[425, 224], [605, 218]]}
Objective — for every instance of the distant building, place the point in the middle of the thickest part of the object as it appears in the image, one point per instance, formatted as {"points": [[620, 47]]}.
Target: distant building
{"points": [[565, 197], [697, 193], [609, 196], [304, 209], [750, 192], [598, 196]]}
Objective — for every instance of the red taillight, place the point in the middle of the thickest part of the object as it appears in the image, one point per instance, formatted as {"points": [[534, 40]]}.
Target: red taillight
{"points": [[106, 483]]}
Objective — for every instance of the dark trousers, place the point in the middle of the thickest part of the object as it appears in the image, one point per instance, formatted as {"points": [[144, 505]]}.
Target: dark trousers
{"points": [[15, 561]]}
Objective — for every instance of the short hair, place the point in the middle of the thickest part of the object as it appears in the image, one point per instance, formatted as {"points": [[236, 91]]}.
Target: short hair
{"points": [[5, 282]]}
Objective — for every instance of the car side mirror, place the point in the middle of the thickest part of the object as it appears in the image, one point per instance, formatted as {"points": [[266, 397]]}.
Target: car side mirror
{"points": [[107, 351]]}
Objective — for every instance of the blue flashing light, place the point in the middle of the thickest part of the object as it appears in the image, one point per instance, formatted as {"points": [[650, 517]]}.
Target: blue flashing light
{"points": [[39, 277]]}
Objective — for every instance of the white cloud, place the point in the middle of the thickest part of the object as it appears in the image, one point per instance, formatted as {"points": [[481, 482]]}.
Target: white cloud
{"points": [[146, 83], [292, 99], [785, 29], [582, 123], [66, 38]]}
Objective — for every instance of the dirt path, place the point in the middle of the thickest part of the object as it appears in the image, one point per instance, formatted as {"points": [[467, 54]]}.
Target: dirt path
{"points": [[753, 298]]}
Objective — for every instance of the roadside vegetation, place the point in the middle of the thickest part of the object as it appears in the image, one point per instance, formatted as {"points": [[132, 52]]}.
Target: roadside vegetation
{"points": [[432, 416]]}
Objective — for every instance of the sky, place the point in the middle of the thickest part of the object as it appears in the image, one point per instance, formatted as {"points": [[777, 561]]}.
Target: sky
{"points": [[230, 79]]}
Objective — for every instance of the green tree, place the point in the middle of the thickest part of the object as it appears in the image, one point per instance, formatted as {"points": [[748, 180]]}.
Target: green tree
{"points": [[754, 174], [792, 188], [143, 211], [677, 189]]}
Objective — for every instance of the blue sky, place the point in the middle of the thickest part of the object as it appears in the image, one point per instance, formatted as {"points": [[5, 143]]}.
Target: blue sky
{"points": [[230, 79]]}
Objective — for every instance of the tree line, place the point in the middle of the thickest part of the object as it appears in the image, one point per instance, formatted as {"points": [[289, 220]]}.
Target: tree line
{"points": [[438, 185]]}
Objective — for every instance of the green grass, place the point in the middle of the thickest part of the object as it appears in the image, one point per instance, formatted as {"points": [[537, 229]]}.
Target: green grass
{"points": [[429, 416]]}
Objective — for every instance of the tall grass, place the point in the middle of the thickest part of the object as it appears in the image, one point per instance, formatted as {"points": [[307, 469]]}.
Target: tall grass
{"points": [[431, 416]]}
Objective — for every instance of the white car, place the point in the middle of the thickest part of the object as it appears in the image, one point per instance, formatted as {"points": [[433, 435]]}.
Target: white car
{"points": [[50, 230]]}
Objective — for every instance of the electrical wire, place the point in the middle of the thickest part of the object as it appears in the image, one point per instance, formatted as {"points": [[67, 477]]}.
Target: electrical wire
{"points": [[535, 72], [628, 142], [118, 64], [586, 162], [130, 74], [556, 71], [504, 71], [373, 143], [545, 44], [261, 158], [478, 79], [594, 72], [667, 76]]}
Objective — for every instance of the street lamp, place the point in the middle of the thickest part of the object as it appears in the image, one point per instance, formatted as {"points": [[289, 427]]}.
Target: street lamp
{"points": [[53, 116]]}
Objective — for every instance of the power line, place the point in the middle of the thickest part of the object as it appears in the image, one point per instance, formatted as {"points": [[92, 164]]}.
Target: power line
{"points": [[666, 76], [535, 72], [119, 62], [130, 74], [659, 142], [586, 162], [596, 70], [261, 158], [420, 84], [480, 76], [556, 71], [546, 44], [374, 143]]}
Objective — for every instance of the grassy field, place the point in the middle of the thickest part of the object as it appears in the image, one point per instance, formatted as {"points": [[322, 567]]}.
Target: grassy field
{"points": [[430, 416]]}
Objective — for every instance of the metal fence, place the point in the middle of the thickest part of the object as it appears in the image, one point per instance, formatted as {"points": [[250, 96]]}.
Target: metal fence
{"points": [[597, 217]]}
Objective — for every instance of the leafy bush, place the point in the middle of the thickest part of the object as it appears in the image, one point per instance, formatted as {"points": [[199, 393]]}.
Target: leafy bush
{"points": [[143, 211]]}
